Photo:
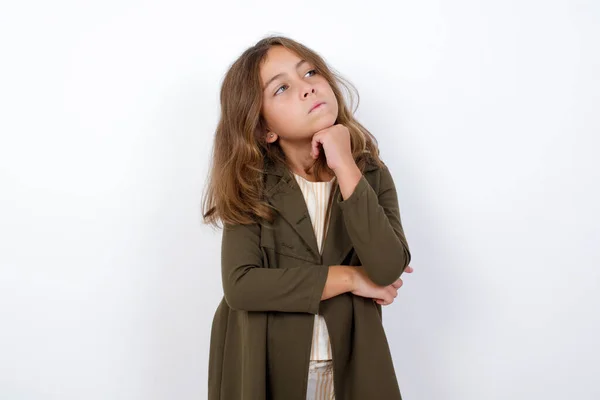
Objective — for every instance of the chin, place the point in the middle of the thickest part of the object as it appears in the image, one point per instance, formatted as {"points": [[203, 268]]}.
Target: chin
{"points": [[325, 122]]}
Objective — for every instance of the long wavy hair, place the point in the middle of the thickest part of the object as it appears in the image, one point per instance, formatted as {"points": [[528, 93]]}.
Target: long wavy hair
{"points": [[235, 191]]}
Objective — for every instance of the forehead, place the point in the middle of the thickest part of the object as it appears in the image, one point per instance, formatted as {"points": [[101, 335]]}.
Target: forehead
{"points": [[277, 60]]}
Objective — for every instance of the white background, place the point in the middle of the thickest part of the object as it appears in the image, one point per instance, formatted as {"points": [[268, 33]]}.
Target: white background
{"points": [[486, 112]]}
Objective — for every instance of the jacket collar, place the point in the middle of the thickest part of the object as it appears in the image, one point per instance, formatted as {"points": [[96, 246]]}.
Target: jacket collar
{"points": [[284, 194], [279, 169]]}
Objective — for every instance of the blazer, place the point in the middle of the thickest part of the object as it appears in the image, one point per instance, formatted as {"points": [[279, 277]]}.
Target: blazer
{"points": [[273, 278]]}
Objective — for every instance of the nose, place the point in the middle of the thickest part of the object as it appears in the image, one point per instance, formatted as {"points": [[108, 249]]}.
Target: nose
{"points": [[305, 93]]}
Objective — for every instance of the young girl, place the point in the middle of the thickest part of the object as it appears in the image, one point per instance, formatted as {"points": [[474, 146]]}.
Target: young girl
{"points": [[312, 243]]}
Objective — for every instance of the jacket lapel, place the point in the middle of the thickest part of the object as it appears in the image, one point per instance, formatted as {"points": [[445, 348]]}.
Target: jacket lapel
{"points": [[337, 243], [284, 193]]}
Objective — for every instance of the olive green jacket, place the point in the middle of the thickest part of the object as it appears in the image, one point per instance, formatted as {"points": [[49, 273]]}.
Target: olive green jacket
{"points": [[273, 279]]}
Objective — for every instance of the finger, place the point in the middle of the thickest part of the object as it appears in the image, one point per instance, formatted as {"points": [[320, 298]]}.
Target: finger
{"points": [[316, 139], [387, 301], [388, 295], [393, 291], [398, 284], [409, 269], [389, 290]]}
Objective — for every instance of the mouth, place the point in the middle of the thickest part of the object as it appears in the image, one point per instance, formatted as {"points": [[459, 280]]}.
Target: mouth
{"points": [[317, 105]]}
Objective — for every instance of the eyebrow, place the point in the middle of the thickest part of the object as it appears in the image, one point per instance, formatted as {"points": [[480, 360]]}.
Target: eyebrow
{"points": [[281, 74]]}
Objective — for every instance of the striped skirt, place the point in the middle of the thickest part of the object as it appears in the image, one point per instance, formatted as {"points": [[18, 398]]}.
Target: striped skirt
{"points": [[320, 380]]}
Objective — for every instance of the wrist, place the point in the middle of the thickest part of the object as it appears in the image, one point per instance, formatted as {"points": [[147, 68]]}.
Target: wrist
{"points": [[348, 178], [347, 167], [352, 278]]}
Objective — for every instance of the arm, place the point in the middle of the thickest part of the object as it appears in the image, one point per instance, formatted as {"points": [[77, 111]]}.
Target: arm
{"points": [[374, 226], [340, 279], [248, 286]]}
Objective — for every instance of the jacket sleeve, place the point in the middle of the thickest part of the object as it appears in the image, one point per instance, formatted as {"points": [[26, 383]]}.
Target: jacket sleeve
{"points": [[373, 224], [249, 286]]}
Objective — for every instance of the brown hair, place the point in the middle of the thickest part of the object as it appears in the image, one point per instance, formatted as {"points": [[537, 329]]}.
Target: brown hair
{"points": [[235, 191]]}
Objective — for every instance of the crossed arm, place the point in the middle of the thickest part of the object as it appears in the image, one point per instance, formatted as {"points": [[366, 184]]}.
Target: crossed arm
{"points": [[374, 226]]}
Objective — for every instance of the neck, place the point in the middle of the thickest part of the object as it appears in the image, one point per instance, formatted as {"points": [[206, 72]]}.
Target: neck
{"points": [[298, 158]]}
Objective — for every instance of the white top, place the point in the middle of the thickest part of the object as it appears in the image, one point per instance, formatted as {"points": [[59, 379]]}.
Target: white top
{"points": [[317, 195]]}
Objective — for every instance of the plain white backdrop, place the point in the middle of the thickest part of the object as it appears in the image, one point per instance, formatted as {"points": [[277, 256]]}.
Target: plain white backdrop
{"points": [[486, 112]]}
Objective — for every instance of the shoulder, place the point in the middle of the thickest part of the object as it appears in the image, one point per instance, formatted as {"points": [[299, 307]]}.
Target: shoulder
{"points": [[372, 165], [377, 174]]}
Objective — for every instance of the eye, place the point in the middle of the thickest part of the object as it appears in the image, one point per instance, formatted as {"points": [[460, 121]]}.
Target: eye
{"points": [[279, 88], [314, 71]]}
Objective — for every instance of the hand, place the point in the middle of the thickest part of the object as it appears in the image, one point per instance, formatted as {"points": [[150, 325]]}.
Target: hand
{"points": [[398, 284], [336, 145], [383, 295]]}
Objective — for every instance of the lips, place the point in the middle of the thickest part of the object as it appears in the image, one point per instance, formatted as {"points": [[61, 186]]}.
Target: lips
{"points": [[317, 104]]}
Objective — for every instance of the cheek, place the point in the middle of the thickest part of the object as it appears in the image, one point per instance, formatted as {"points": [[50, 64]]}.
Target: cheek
{"points": [[326, 89], [278, 113], [270, 111], [284, 108], [330, 91]]}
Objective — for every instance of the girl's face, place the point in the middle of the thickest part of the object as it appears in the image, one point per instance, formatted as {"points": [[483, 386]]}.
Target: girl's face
{"points": [[291, 87]]}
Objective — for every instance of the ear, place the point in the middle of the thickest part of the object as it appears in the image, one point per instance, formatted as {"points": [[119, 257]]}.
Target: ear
{"points": [[271, 137]]}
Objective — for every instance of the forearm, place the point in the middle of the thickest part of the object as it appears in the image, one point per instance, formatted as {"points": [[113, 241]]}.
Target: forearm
{"points": [[340, 279], [373, 224], [248, 285], [252, 288]]}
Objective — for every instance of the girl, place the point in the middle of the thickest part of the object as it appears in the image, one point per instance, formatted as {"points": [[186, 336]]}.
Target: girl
{"points": [[312, 243]]}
